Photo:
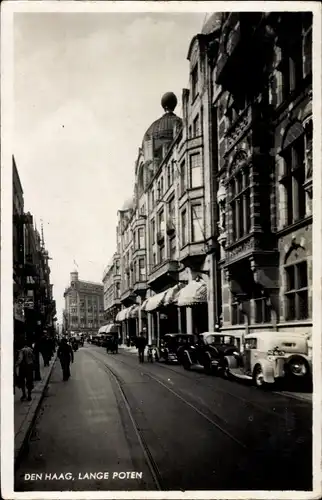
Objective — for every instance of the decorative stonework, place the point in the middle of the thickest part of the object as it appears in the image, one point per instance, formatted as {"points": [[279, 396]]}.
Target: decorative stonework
{"points": [[241, 248], [239, 161], [239, 128], [221, 199]]}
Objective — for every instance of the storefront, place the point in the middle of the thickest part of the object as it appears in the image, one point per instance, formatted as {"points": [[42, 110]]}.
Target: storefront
{"points": [[192, 299]]}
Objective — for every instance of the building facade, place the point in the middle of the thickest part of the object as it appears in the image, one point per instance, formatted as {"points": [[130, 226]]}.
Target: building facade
{"points": [[33, 302], [218, 235], [112, 289], [264, 124], [84, 306]]}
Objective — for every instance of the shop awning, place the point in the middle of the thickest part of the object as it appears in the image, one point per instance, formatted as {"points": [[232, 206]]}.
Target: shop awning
{"points": [[121, 315], [144, 304], [155, 301], [108, 328], [129, 310], [171, 295], [193, 293]]}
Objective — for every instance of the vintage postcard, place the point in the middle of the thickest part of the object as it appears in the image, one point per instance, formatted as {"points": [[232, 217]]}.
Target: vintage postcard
{"points": [[160, 250]]}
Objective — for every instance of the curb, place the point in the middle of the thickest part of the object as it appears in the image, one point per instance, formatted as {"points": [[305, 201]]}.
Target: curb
{"points": [[292, 395], [22, 437]]}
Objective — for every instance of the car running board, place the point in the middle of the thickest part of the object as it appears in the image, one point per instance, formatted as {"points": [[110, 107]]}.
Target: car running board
{"points": [[239, 374]]}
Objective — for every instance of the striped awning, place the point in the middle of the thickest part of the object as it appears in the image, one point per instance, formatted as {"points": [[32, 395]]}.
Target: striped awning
{"points": [[171, 295], [143, 306], [111, 327], [121, 315], [193, 293], [155, 301]]}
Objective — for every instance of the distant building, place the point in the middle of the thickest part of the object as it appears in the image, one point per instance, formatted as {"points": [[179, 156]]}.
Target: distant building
{"points": [[112, 288], [84, 305]]}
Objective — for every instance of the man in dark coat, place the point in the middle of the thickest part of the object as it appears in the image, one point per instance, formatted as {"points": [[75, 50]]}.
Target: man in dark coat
{"points": [[65, 355], [25, 366], [141, 345]]}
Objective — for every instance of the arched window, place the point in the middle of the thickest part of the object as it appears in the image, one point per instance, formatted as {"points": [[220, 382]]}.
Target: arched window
{"points": [[296, 286]]}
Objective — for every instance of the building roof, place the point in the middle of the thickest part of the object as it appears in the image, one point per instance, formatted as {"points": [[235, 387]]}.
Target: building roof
{"points": [[212, 22], [163, 128]]}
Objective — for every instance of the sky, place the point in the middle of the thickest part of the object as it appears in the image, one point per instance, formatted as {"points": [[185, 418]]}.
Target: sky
{"points": [[86, 88]]}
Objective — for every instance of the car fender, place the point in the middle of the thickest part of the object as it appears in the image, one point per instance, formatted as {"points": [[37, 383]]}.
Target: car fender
{"points": [[186, 353], [232, 361], [268, 370]]}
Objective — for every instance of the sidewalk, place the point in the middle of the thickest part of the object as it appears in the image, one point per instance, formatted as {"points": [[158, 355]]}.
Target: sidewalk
{"points": [[25, 412], [132, 349]]}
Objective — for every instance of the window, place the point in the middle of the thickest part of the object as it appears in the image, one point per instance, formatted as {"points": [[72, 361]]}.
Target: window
{"points": [[196, 126], [118, 290], [262, 310], [141, 237], [161, 187], [183, 177], [291, 65], [240, 205], [172, 169], [153, 231], [293, 180], [142, 274], [152, 198], [296, 295], [154, 258], [184, 227], [196, 222], [194, 82], [161, 252], [171, 209], [195, 171], [161, 220], [169, 179], [190, 132], [237, 316], [172, 245], [117, 267], [251, 344], [159, 191]]}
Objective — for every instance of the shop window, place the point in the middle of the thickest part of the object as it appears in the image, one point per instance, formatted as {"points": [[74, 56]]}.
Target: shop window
{"points": [[240, 205], [262, 310], [294, 179], [195, 170], [183, 178], [194, 82], [196, 223], [296, 295], [183, 228]]}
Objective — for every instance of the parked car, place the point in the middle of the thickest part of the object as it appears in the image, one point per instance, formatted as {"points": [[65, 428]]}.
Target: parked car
{"points": [[268, 357], [172, 347], [209, 352]]}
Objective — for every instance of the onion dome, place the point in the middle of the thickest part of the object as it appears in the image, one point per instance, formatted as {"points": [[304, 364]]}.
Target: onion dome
{"points": [[212, 23], [164, 127]]}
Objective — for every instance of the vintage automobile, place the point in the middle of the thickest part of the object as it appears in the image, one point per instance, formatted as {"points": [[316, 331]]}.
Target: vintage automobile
{"points": [[269, 357], [172, 347], [209, 352]]}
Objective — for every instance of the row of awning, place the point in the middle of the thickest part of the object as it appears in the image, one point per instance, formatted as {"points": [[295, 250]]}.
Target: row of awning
{"points": [[195, 292]]}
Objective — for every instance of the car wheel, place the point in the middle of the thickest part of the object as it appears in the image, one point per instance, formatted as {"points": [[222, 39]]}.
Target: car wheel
{"points": [[225, 370], [208, 367], [258, 377], [186, 363]]}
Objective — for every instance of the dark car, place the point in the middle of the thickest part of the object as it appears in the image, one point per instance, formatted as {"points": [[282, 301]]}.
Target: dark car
{"points": [[209, 352], [173, 345]]}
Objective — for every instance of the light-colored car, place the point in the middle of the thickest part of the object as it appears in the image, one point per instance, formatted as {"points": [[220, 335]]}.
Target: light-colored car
{"points": [[267, 357]]}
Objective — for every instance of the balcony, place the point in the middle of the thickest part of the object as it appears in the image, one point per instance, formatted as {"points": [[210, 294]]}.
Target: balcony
{"points": [[162, 270]]}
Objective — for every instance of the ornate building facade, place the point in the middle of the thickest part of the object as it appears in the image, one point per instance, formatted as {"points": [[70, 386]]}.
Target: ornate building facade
{"points": [[218, 235], [265, 170], [112, 288]]}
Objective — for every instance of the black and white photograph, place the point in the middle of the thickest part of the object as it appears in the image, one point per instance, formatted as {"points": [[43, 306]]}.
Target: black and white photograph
{"points": [[161, 250]]}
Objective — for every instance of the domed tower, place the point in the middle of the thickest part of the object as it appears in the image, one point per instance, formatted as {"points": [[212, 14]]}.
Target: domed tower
{"points": [[157, 139]]}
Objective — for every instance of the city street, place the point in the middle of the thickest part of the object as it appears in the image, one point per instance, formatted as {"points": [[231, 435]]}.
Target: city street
{"points": [[173, 429]]}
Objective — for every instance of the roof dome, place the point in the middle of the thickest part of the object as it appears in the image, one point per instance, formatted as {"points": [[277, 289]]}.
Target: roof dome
{"points": [[211, 23], [163, 128]]}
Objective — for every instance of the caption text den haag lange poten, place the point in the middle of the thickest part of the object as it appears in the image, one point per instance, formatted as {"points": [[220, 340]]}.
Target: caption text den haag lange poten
{"points": [[69, 476]]}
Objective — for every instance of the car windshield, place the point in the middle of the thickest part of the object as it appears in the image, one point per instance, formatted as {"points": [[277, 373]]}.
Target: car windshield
{"points": [[219, 339]]}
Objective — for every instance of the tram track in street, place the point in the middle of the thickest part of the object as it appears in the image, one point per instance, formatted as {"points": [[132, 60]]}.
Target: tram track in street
{"points": [[179, 397]]}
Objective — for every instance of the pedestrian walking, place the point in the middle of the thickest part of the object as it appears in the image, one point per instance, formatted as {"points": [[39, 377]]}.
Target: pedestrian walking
{"points": [[45, 349], [65, 355], [141, 345], [25, 368]]}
